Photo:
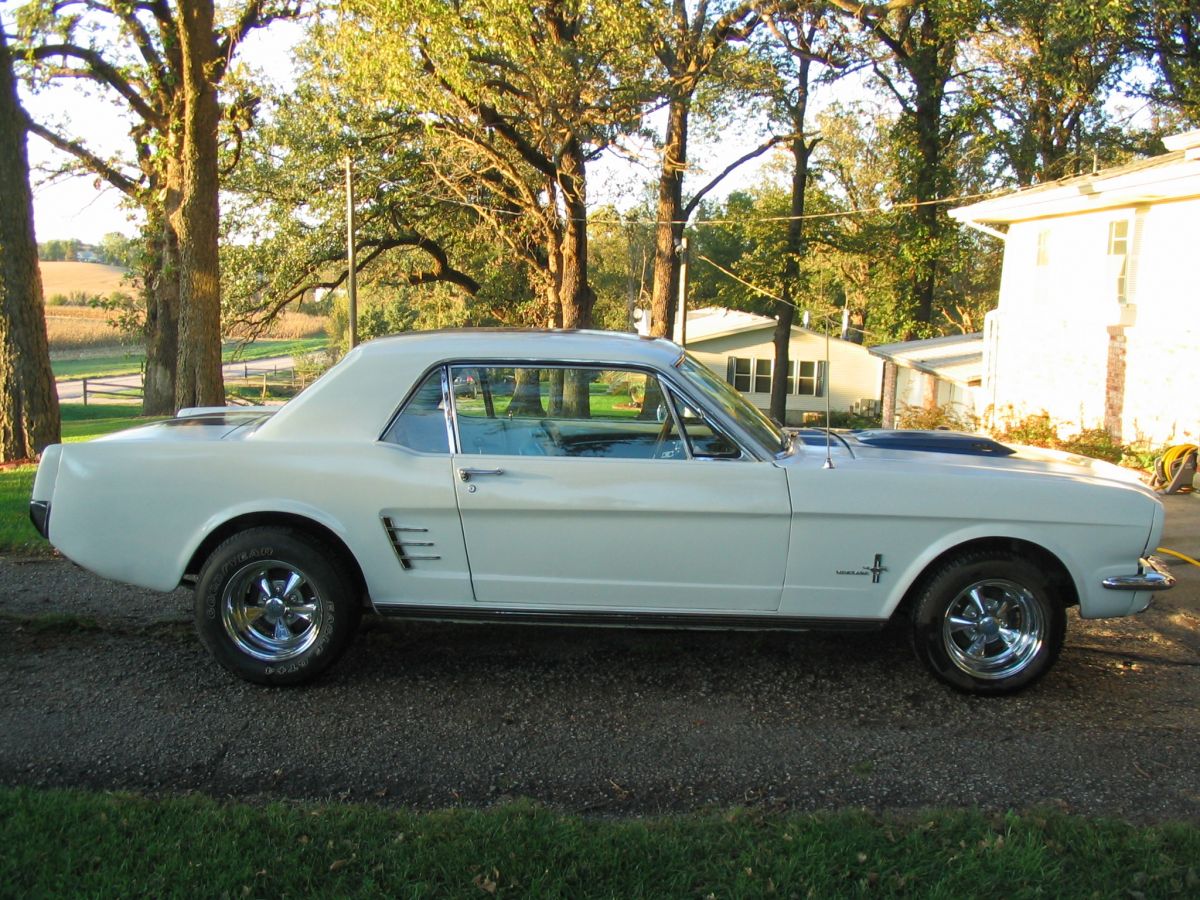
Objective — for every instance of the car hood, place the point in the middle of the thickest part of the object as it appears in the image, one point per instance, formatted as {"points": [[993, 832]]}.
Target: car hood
{"points": [[199, 425], [957, 450]]}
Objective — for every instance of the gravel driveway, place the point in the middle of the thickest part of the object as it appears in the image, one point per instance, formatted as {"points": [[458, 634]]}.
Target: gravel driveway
{"points": [[594, 720]]}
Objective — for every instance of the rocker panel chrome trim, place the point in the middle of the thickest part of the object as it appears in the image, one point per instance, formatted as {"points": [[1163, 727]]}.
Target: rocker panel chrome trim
{"points": [[705, 621]]}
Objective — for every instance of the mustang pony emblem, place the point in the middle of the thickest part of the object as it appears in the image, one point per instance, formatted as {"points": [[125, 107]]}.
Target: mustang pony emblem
{"points": [[876, 569]]}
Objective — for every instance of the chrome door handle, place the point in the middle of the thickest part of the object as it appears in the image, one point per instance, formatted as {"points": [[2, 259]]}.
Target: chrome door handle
{"points": [[466, 473]]}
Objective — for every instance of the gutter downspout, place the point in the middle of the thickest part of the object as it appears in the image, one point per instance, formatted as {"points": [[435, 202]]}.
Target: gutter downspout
{"points": [[986, 229]]}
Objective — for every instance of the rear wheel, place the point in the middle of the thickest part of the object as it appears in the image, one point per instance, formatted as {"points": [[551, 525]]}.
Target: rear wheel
{"points": [[988, 623], [275, 606]]}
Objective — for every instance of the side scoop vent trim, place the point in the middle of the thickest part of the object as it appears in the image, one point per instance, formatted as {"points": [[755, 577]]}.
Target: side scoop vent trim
{"points": [[405, 540]]}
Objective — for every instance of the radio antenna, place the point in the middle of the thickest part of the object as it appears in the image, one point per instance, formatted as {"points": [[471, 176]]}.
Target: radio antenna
{"points": [[825, 387]]}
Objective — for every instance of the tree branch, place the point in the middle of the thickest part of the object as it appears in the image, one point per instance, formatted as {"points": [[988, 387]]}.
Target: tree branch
{"points": [[99, 69], [491, 118], [120, 181], [753, 154]]}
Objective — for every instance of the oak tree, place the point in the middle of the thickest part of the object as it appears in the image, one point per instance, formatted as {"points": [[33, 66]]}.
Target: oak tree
{"points": [[29, 418]]}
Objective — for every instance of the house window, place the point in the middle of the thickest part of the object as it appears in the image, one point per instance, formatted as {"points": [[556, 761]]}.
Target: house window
{"points": [[762, 376], [1118, 246], [1043, 247], [750, 376], [811, 382], [739, 373], [753, 376]]}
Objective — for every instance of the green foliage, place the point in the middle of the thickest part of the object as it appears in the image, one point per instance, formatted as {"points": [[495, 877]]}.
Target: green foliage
{"points": [[59, 251], [58, 842], [1035, 430], [620, 264], [1168, 39], [1096, 443], [1039, 430], [843, 418], [952, 416], [1039, 94]]}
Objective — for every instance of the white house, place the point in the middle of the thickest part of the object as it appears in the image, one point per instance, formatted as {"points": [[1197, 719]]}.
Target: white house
{"points": [[1097, 319], [943, 372], [739, 346]]}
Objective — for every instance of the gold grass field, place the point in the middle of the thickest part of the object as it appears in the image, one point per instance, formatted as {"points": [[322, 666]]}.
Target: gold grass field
{"points": [[67, 278], [74, 329]]}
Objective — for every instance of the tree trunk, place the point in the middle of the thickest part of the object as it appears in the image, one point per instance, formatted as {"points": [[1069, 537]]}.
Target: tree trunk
{"points": [[668, 229], [575, 293], [527, 394], [29, 417], [160, 290], [930, 73], [785, 309], [198, 375]]}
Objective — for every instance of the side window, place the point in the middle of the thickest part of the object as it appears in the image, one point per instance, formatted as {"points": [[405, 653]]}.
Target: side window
{"points": [[705, 441], [563, 411], [421, 425]]}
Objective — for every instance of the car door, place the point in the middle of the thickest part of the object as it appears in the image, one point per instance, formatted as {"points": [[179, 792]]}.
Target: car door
{"points": [[577, 488], [415, 555]]}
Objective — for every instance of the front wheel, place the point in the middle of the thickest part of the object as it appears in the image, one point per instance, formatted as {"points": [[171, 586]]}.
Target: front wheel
{"points": [[275, 606], [988, 623]]}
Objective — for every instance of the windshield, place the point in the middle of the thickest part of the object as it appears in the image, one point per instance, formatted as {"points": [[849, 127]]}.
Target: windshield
{"points": [[733, 404]]}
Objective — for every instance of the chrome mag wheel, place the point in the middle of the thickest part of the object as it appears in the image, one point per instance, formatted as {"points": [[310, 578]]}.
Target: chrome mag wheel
{"points": [[271, 610], [993, 629]]}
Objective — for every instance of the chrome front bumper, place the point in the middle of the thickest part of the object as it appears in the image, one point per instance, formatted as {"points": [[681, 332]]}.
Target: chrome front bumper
{"points": [[1152, 575]]}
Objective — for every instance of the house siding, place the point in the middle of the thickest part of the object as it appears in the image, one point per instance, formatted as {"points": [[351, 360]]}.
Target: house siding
{"points": [[1162, 352], [854, 374], [1063, 343]]}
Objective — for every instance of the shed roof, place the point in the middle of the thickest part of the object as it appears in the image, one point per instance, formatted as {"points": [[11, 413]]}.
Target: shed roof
{"points": [[957, 358], [707, 323]]}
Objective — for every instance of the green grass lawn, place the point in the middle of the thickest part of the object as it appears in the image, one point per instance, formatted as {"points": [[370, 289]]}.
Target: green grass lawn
{"points": [[58, 843], [603, 402], [130, 363], [79, 423]]}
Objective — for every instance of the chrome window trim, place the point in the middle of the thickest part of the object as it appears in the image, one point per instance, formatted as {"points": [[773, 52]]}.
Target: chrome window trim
{"points": [[449, 411], [674, 395], [668, 378], [408, 398], [673, 412]]}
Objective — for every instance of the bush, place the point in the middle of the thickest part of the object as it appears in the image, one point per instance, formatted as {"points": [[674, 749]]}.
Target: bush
{"points": [[841, 418], [1034, 430], [950, 417], [1039, 430], [1096, 443]]}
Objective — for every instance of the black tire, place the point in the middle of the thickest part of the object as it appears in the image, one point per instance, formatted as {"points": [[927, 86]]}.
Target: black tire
{"points": [[276, 606], [988, 623]]}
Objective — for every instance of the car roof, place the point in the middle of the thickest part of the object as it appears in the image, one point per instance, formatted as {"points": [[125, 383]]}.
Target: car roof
{"points": [[562, 344], [357, 397]]}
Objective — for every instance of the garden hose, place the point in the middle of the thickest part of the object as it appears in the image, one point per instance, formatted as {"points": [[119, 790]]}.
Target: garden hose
{"points": [[1178, 555], [1167, 465]]}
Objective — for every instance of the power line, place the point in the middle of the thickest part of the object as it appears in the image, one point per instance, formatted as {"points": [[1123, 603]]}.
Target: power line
{"points": [[891, 207]]}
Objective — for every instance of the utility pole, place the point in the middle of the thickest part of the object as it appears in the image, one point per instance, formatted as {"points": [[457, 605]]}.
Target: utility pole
{"points": [[681, 305], [352, 273]]}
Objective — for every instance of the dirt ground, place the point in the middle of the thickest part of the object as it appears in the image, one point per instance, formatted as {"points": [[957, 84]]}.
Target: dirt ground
{"points": [[106, 686]]}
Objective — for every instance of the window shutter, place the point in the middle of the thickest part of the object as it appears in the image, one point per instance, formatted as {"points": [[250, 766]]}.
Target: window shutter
{"points": [[730, 362], [820, 379]]}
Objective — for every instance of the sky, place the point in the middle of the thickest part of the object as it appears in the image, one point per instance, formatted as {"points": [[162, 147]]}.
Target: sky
{"points": [[87, 208]]}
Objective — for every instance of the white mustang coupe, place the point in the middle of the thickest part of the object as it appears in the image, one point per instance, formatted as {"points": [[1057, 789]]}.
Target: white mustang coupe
{"points": [[599, 479]]}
